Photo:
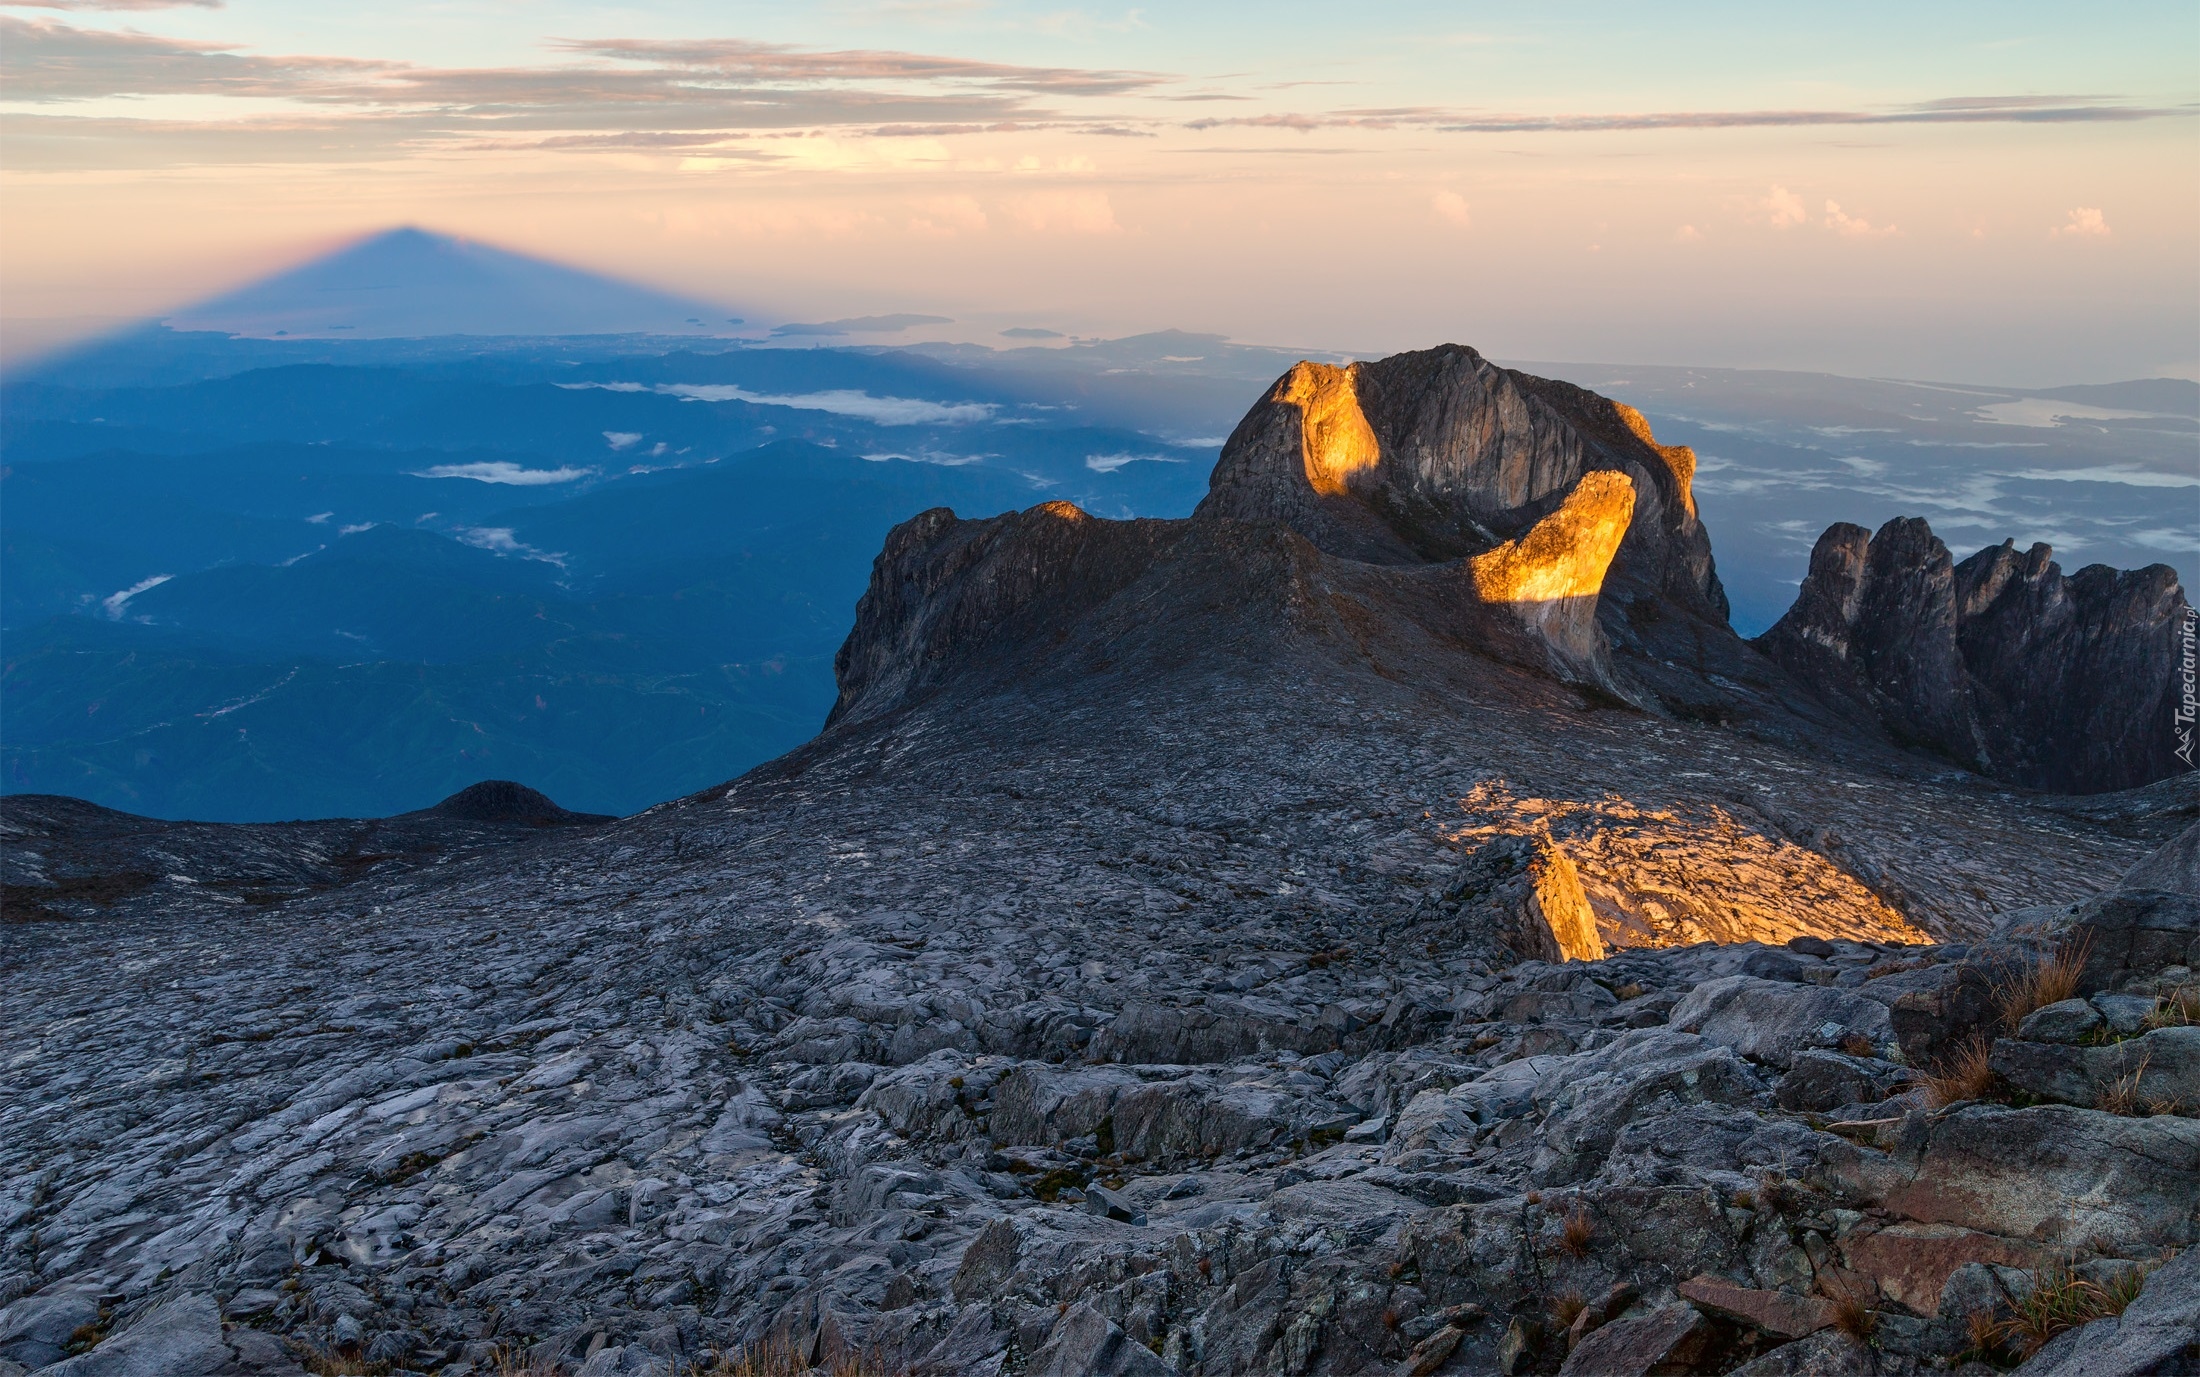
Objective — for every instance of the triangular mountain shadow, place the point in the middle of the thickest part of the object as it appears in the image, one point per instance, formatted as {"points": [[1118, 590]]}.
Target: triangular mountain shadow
{"points": [[409, 283]]}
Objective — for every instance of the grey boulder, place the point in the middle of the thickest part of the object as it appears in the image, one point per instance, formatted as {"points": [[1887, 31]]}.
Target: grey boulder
{"points": [[1771, 1021], [36, 1330], [180, 1339], [1085, 1343], [2160, 1070], [2066, 1021]]}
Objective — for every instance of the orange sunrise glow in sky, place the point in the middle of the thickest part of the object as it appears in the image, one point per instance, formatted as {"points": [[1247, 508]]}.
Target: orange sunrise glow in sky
{"points": [[1954, 191]]}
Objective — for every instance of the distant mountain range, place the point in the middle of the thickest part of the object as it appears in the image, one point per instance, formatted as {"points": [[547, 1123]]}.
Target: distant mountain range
{"points": [[246, 576]]}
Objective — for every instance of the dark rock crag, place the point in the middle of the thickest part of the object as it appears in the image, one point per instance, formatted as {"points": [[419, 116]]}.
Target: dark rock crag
{"points": [[2002, 663], [504, 801]]}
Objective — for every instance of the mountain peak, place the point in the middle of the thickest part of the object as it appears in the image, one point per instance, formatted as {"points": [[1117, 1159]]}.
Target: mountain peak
{"points": [[410, 282], [1440, 454]]}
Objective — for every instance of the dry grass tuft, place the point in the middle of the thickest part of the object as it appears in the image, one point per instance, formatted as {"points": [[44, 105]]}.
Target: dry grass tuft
{"points": [[2125, 1289], [2121, 1096], [339, 1365], [510, 1364], [1853, 1318], [1963, 1074], [1566, 1307], [2180, 1008], [1985, 1334], [1780, 1195], [1579, 1232], [2061, 1299], [2048, 977]]}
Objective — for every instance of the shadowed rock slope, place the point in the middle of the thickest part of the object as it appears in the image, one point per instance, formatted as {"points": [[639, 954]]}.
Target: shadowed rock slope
{"points": [[2001, 663], [63, 858], [1236, 945]]}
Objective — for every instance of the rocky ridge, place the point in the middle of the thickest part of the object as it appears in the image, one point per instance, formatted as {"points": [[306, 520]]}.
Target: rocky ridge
{"points": [[1188, 949], [2001, 663], [64, 858]]}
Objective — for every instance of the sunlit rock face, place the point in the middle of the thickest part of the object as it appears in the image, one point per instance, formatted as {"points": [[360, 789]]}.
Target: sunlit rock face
{"points": [[2001, 663], [1526, 892], [1687, 871], [1438, 454], [1550, 576]]}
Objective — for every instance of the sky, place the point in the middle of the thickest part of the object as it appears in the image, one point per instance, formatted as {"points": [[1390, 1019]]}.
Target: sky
{"points": [[2003, 192]]}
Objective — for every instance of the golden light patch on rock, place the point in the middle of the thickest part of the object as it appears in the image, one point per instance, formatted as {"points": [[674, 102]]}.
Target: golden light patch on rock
{"points": [[1692, 872], [1335, 440], [1557, 898], [1679, 458], [1564, 555]]}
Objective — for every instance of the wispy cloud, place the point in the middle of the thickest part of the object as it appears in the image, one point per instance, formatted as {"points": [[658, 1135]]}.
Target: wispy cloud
{"points": [[1854, 227], [507, 472], [617, 93], [503, 541], [2086, 222], [2129, 475], [2049, 411], [47, 61], [114, 5], [885, 411], [746, 61], [116, 602], [1957, 110], [1452, 208], [2172, 539], [1109, 463], [929, 456], [1783, 209]]}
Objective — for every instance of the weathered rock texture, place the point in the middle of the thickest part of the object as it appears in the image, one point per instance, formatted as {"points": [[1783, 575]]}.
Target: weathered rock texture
{"points": [[1189, 949], [2001, 663]]}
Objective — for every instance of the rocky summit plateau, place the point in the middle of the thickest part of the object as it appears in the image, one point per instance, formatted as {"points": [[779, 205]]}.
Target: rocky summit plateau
{"points": [[1386, 922]]}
